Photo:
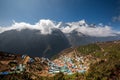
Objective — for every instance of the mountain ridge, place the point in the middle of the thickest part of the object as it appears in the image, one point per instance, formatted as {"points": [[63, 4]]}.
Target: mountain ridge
{"points": [[47, 38]]}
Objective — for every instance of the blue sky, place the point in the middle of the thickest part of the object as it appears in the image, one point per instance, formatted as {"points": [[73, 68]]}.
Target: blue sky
{"points": [[31, 11]]}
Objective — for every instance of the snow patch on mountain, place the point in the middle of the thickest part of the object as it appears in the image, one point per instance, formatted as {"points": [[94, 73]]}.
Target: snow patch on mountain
{"points": [[46, 26]]}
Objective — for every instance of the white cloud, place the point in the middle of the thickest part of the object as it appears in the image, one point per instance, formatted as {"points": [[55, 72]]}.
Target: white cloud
{"points": [[83, 27], [46, 27]]}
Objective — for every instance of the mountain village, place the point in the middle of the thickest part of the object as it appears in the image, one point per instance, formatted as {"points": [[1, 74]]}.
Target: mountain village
{"points": [[67, 64]]}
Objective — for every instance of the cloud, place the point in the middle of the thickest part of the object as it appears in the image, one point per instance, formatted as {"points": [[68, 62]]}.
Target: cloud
{"points": [[116, 18], [83, 27], [47, 26]]}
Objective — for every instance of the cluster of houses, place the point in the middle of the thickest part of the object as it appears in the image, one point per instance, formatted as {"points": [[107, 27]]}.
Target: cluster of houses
{"points": [[18, 69], [20, 66], [65, 64], [68, 65]]}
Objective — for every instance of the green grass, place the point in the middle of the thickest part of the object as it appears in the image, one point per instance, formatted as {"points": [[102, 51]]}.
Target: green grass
{"points": [[87, 49]]}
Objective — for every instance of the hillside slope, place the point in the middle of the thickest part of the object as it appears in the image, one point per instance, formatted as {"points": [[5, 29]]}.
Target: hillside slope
{"points": [[106, 66], [98, 61]]}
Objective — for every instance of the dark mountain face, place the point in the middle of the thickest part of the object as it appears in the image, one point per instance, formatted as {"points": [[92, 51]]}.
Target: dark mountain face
{"points": [[47, 38], [33, 43]]}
